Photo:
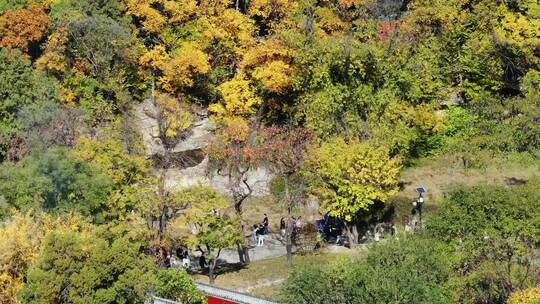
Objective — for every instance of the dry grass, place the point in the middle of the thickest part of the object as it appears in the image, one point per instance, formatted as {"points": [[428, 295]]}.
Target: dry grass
{"points": [[440, 174], [272, 270]]}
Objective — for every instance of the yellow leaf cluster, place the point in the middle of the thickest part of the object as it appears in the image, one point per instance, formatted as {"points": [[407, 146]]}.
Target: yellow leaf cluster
{"points": [[349, 176], [237, 130], [155, 58], [213, 7], [274, 76], [176, 115], [152, 20], [231, 28], [270, 63], [519, 30], [527, 296], [328, 21], [272, 9], [266, 51], [180, 11], [239, 99], [189, 60], [20, 239], [53, 58]]}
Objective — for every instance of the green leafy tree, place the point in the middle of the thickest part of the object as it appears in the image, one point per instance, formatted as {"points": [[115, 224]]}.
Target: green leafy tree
{"points": [[349, 176], [56, 182], [80, 267], [130, 176], [494, 228], [208, 225], [20, 86], [177, 285]]}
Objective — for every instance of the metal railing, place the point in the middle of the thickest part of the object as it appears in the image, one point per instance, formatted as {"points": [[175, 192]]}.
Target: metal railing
{"points": [[230, 295], [221, 293]]}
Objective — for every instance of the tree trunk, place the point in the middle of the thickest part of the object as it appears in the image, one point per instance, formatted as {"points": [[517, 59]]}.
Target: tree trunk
{"points": [[243, 250], [352, 234], [246, 254], [288, 246], [211, 268], [240, 251], [290, 223]]}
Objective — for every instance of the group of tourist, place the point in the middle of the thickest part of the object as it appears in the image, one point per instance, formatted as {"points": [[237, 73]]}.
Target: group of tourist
{"points": [[180, 259], [296, 226]]}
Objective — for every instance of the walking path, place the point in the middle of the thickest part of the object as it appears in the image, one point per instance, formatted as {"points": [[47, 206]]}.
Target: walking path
{"points": [[272, 248]]}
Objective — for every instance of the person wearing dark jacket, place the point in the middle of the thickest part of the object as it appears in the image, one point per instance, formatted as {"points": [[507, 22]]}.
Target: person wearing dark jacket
{"points": [[265, 223]]}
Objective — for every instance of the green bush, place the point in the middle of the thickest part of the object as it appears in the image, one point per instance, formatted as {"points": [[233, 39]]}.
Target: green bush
{"points": [[177, 285], [409, 270]]}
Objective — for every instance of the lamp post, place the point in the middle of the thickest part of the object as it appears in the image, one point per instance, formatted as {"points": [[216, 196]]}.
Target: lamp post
{"points": [[419, 203]]}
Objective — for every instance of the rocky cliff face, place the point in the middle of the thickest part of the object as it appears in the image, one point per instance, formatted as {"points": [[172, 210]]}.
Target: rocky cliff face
{"points": [[188, 165]]}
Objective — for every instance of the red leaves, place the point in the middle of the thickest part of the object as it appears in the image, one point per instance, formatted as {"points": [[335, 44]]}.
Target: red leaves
{"points": [[285, 147], [16, 148], [282, 148]]}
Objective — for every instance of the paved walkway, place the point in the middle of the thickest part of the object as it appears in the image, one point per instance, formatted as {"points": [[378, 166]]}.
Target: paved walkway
{"points": [[272, 248]]}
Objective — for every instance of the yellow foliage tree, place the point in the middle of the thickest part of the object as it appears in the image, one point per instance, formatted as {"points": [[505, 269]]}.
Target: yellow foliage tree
{"points": [[232, 29], [270, 62], [274, 76], [174, 115], [189, 60], [20, 238], [155, 58], [180, 11], [239, 99], [527, 296], [271, 11], [20, 241], [53, 58], [152, 20], [520, 29], [349, 176]]}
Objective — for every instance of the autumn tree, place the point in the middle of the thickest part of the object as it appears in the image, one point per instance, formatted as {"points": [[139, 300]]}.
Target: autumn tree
{"points": [[19, 28], [132, 183], [207, 225], [349, 176], [240, 100], [20, 239], [285, 152], [232, 154]]}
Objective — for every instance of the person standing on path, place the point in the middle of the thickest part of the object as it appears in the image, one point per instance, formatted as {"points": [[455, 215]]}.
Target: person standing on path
{"points": [[256, 234], [260, 236], [282, 228], [265, 223]]}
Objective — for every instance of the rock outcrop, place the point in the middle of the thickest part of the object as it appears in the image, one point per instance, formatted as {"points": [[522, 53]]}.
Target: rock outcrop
{"points": [[188, 164]]}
